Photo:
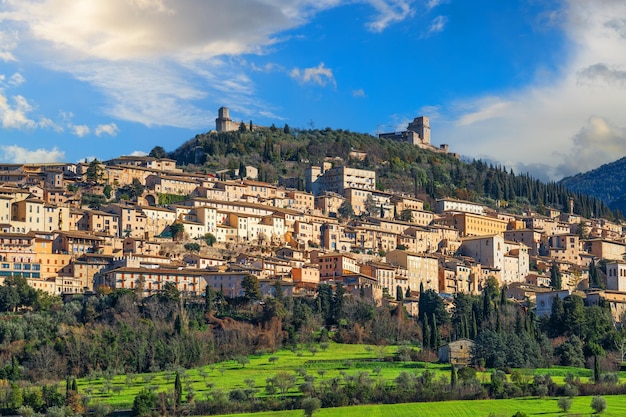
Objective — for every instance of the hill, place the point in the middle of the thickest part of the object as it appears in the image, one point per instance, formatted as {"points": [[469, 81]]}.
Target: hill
{"points": [[285, 153], [607, 183]]}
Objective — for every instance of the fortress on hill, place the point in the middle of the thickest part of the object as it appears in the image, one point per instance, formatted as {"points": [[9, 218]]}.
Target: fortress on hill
{"points": [[418, 134], [224, 123]]}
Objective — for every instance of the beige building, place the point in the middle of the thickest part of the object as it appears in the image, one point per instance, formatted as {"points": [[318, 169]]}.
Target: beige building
{"points": [[300, 200], [190, 282], [306, 276], [425, 268], [474, 225], [605, 249], [334, 265], [509, 258], [321, 179], [450, 204], [169, 184], [132, 220]]}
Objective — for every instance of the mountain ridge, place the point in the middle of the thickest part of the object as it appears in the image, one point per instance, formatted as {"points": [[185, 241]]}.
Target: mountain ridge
{"points": [[607, 183]]}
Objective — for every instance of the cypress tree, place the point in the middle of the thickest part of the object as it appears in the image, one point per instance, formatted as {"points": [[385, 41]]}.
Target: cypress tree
{"points": [[425, 335], [178, 390], [420, 303], [453, 376], [474, 326], [434, 337]]}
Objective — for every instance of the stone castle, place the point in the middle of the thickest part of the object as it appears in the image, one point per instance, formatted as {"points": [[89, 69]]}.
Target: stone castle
{"points": [[418, 134]]}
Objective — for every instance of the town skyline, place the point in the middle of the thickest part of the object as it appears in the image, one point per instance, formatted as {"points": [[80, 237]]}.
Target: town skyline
{"points": [[535, 86]]}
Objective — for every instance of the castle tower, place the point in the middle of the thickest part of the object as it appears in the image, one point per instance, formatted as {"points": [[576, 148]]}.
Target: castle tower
{"points": [[421, 126], [223, 123]]}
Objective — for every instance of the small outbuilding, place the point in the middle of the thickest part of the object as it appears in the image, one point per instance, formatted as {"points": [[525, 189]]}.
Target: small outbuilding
{"points": [[458, 352]]}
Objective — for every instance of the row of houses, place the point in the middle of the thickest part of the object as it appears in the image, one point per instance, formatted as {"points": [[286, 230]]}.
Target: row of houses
{"points": [[392, 247]]}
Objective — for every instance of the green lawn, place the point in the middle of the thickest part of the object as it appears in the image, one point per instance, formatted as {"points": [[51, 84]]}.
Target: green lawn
{"points": [[324, 364], [616, 406]]}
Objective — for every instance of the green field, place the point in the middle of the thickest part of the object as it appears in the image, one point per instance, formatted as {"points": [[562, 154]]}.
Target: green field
{"points": [[616, 406], [338, 359]]}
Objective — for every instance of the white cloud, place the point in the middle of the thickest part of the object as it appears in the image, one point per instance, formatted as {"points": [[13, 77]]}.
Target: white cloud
{"points": [[319, 75], [562, 123], [598, 140], [431, 4], [358, 93], [17, 154], [153, 60], [80, 130], [389, 12], [14, 113], [138, 153], [16, 79], [110, 129], [8, 42], [437, 25], [485, 109], [602, 73]]}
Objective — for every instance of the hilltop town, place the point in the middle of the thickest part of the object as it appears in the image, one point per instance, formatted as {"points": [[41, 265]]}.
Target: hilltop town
{"points": [[139, 222]]}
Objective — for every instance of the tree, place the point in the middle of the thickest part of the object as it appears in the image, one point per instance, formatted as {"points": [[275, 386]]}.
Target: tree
{"points": [[555, 277], [178, 390], [169, 293], [565, 404], [95, 172], [192, 247], [15, 293], [345, 210], [210, 239], [107, 191], [242, 360], [251, 288], [178, 230], [399, 293], [242, 127], [310, 406], [284, 381], [370, 205], [594, 280], [453, 376], [583, 230], [406, 215], [143, 403], [598, 404], [243, 172], [158, 152], [286, 129], [430, 303]]}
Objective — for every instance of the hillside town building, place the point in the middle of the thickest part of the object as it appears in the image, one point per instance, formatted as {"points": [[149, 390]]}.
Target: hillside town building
{"points": [[393, 245]]}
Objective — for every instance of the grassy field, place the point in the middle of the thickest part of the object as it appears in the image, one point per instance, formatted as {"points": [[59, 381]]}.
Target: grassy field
{"points": [[616, 407], [337, 359]]}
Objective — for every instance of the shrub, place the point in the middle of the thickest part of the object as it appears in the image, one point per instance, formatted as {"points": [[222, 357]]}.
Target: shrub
{"points": [[570, 390], [143, 403], [565, 404], [598, 404], [26, 411], [310, 406]]}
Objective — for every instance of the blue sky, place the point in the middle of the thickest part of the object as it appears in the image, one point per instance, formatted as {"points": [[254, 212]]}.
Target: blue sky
{"points": [[535, 85]]}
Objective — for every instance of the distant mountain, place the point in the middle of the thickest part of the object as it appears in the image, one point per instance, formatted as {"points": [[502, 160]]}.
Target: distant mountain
{"points": [[607, 183]]}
